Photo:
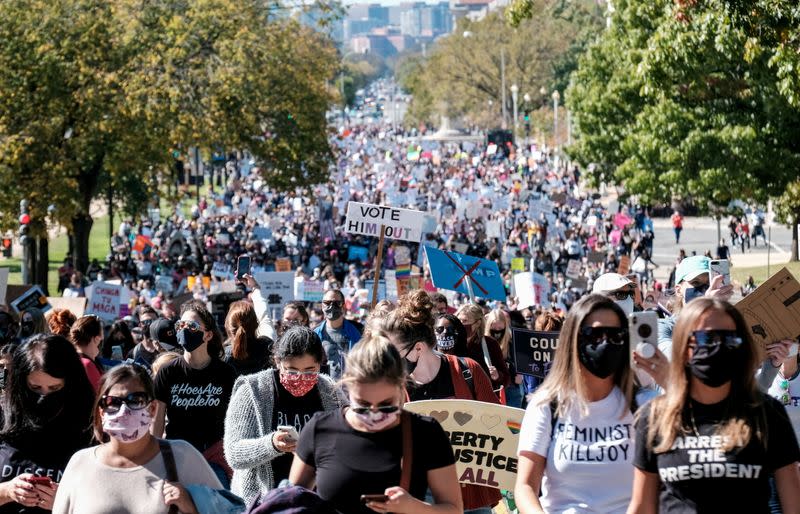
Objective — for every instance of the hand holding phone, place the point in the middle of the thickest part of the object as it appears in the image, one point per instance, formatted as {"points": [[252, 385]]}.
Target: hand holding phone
{"points": [[377, 498], [242, 266], [717, 267], [643, 328], [291, 433]]}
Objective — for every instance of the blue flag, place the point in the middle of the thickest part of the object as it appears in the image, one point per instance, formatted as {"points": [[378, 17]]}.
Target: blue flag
{"points": [[451, 270]]}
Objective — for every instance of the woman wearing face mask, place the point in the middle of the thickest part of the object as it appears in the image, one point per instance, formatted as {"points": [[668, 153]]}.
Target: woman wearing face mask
{"points": [[451, 336], [576, 444], [711, 441], [435, 376], [32, 322], [87, 336], [46, 412], [259, 452], [498, 327], [193, 392], [481, 348], [357, 450], [130, 463]]}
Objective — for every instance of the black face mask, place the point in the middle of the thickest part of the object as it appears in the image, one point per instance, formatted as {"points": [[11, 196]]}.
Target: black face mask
{"points": [[497, 334], [446, 339], [190, 340], [410, 365], [600, 355], [714, 365], [26, 328], [45, 407]]}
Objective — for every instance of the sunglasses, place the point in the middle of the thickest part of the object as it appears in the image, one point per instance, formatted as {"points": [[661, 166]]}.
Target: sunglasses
{"points": [[597, 335], [187, 324], [134, 401], [442, 329], [711, 338], [385, 409], [623, 295], [331, 303]]}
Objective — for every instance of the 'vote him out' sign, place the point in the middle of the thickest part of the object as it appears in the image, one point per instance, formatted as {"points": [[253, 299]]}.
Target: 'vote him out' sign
{"points": [[366, 219]]}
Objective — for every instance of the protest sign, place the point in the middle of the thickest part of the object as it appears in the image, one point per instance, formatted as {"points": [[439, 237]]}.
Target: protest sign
{"points": [[357, 253], [369, 285], [621, 220], [772, 311], [164, 283], [283, 264], [591, 221], [484, 437], [596, 257], [573, 268], [493, 229], [32, 298], [277, 287], [393, 285], [518, 264], [366, 219], [3, 284], [76, 306], [466, 274], [624, 265], [533, 351], [104, 301], [262, 233], [523, 287], [221, 271], [541, 290], [313, 290]]}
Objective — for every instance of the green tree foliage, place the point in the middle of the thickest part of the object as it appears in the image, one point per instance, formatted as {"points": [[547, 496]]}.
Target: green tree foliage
{"points": [[94, 94], [357, 71], [462, 74], [674, 102]]}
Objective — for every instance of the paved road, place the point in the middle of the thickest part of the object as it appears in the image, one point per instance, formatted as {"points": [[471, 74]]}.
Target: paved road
{"points": [[700, 234]]}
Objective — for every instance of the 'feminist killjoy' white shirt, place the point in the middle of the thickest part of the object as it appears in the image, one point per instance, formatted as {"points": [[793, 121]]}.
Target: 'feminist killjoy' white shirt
{"points": [[589, 459]]}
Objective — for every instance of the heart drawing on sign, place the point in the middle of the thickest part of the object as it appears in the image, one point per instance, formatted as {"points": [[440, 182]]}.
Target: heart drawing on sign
{"points": [[462, 418], [439, 415], [490, 421]]}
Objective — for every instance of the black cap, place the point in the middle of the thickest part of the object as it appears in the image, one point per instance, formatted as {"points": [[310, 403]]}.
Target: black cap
{"points": [[163, 331]]}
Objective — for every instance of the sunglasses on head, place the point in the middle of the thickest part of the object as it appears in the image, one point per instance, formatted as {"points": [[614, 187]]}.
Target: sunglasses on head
{"points": [[623, 295], [134, 401], [385, 409], [711, 338], [187, 324], [595, 335]]}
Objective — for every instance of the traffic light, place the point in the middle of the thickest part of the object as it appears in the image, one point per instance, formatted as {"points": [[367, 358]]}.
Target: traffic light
{"points": [[7, 247], [24, 221], [527, 119]]}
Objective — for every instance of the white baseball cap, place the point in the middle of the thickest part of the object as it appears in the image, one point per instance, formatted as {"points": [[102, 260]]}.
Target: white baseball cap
{"points": [[610, 282]]}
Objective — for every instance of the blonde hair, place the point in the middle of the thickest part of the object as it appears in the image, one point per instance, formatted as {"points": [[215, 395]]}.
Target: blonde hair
{"points": [[163, 359], [475, 314], [376, 316], [373, 360], [564, 384], [505, 341], [668, 414]]}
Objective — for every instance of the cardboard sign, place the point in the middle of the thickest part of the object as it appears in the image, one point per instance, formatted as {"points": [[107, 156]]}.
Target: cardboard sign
{"points": [[484, 437], [277, 287], [76, 306], [533, 351], [772, 311], [313, 290], [523, 288], [573, 268], [283, 264], [32, 298], [366, 219], [624, 265], [451, 270], [596, 258], [541, 290], [104, 301]]}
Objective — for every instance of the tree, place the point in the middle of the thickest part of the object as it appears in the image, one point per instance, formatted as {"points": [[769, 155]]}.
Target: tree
{"points": [[787, 211]]}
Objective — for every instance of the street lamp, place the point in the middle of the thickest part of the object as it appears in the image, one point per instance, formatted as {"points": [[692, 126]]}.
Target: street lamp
{"points": [[514, 97], [556, 98]]}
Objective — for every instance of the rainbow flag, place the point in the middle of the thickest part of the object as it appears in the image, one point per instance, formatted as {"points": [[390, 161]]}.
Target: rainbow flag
{"points": [[514, 427], [403, 270]]}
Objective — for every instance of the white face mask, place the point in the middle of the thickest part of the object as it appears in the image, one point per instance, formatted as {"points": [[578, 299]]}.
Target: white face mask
{"points": [[626, 305]]}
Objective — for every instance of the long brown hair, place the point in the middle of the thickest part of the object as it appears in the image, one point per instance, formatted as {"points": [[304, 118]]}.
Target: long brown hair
{"points": [[241, 325], [564, 384], [668, 415]]}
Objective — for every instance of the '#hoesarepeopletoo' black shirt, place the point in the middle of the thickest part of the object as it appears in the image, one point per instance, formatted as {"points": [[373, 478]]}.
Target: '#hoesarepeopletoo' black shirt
{"points": [[698, 476], [350, 463]]}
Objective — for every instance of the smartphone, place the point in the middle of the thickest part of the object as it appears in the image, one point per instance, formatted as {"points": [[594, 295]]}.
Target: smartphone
{"points": [[378, 498], [40, 480], [643, 329], [720, 267], [293, 435], [242, 266]]}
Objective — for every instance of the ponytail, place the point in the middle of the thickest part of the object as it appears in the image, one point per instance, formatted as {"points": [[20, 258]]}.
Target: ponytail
{"points": [[239, 344]]}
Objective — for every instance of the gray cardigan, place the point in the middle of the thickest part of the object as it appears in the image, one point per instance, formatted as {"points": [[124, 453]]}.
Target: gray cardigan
{"points": [[248, 430]]}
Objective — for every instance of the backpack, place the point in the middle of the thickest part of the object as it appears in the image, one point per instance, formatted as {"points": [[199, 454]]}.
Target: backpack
{"points": [[467, 374]]}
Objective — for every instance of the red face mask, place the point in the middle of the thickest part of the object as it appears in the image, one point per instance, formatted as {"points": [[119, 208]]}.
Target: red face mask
{"points": [[299, 384]]}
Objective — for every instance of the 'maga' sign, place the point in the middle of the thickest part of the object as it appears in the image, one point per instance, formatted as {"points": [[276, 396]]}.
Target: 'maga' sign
{"points": [[533, 351], [484, 437], [366, 219]]}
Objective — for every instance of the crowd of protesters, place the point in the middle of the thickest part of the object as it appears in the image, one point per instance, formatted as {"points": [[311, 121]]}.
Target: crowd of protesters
{"points": [[176, 407]]}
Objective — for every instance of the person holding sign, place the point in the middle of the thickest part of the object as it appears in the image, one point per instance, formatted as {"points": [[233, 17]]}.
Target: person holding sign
{"points": [[710, 442], [355, 455], [576, 444]]}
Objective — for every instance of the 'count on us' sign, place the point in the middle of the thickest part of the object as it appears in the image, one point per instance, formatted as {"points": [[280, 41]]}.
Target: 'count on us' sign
{"points": [[366, 219]]}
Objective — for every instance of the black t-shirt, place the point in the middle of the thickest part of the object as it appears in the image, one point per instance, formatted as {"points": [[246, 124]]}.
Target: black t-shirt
{"points": [[440, 388], [350, 463], [294, 411], [257, 359], [196, 400], [697, 476]]}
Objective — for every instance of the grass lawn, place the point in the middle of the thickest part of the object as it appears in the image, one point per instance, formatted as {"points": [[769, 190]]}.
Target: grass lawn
{"points": [[98, 249], [759, 273]]}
